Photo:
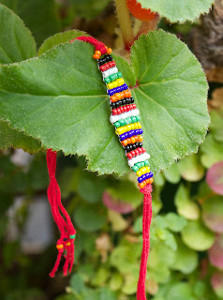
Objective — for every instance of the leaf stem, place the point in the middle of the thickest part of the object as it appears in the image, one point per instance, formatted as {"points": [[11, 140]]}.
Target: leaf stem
{"points": [[124, 22]]}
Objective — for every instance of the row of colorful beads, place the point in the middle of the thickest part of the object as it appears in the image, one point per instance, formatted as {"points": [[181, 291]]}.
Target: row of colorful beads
{"points": [[125, 117]]}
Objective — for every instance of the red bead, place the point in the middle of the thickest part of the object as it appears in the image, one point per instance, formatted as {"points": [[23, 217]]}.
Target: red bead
{"points": [[102, 68], [137, 152], [134, 106], [140, 150], [129, 155], [119, 111], [114, 111], [133, 153], [113, 64], [127, 107], [124, 109]]}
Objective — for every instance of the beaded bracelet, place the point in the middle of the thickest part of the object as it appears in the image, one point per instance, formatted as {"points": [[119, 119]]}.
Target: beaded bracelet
{"points": [[125, 117], [126, 120]]}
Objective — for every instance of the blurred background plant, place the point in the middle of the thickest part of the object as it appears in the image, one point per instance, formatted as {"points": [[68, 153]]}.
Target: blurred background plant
{"points": [[186, 259]]}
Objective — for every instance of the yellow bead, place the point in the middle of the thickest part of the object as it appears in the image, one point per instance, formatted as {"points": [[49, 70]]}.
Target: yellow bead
{"points": [[68, 244], [139, 173], [143, 170], [133, 126], [129, 127], [120, 81], [140, 125], [111, 85]]}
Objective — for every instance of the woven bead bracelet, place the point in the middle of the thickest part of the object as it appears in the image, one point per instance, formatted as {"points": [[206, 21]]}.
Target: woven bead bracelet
{"points": [[126, 120]]}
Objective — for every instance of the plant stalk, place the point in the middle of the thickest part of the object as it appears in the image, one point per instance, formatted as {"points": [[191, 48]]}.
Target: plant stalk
{"points": [[124, 22]]}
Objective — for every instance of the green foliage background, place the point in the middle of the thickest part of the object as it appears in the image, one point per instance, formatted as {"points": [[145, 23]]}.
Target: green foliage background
{"points": [[186, 233]]}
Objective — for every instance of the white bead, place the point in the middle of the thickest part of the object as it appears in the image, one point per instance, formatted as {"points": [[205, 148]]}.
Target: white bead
{"points": [[109, 72], [131, 113], [138, 158]]}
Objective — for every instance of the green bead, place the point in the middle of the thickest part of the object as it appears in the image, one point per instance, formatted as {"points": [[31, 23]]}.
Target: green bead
{"points": [[138, 118], [122, 122], [135, 168], [142, 164], [72, 236], [134, 119], [107, 80], [119, 74], [113, 77], [128, 120], [117, 124], [138, 165]]}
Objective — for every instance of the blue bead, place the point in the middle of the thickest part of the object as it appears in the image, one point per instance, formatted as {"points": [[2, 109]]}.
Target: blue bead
{"points": [[117, 89], [145, 176]]}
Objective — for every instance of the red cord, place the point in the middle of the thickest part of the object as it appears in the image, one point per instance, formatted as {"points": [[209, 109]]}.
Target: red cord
{"points": [[97, 45], [146, 221]]}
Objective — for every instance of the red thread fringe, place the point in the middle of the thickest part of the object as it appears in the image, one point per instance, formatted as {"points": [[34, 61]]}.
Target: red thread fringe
{"points": [[61, 218], [147, 217]]}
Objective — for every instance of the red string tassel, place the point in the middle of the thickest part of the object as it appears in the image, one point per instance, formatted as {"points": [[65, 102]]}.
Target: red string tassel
{"points": [[146, 221], [67, 232]]}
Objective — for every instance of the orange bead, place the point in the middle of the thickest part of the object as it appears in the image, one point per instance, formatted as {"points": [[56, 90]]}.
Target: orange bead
{"points": [[113, 98], [125, 143], [109, 50], [118, 95], [95, 56], [140, 138], [127, 94], [141, 185], [129, 141], [133, 140], [60, 246], [122, 95], [98, 52]]}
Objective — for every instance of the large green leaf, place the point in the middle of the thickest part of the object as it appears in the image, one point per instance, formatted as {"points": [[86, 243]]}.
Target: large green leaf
{"points": [[178, 10], [16, 41], [171, 95], [60, 99], [16, 44]]}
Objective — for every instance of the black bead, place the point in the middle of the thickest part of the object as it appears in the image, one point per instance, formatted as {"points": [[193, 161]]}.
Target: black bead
{"points": [[134, 146], [130, 147], [127, 148], [104, 60]]}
